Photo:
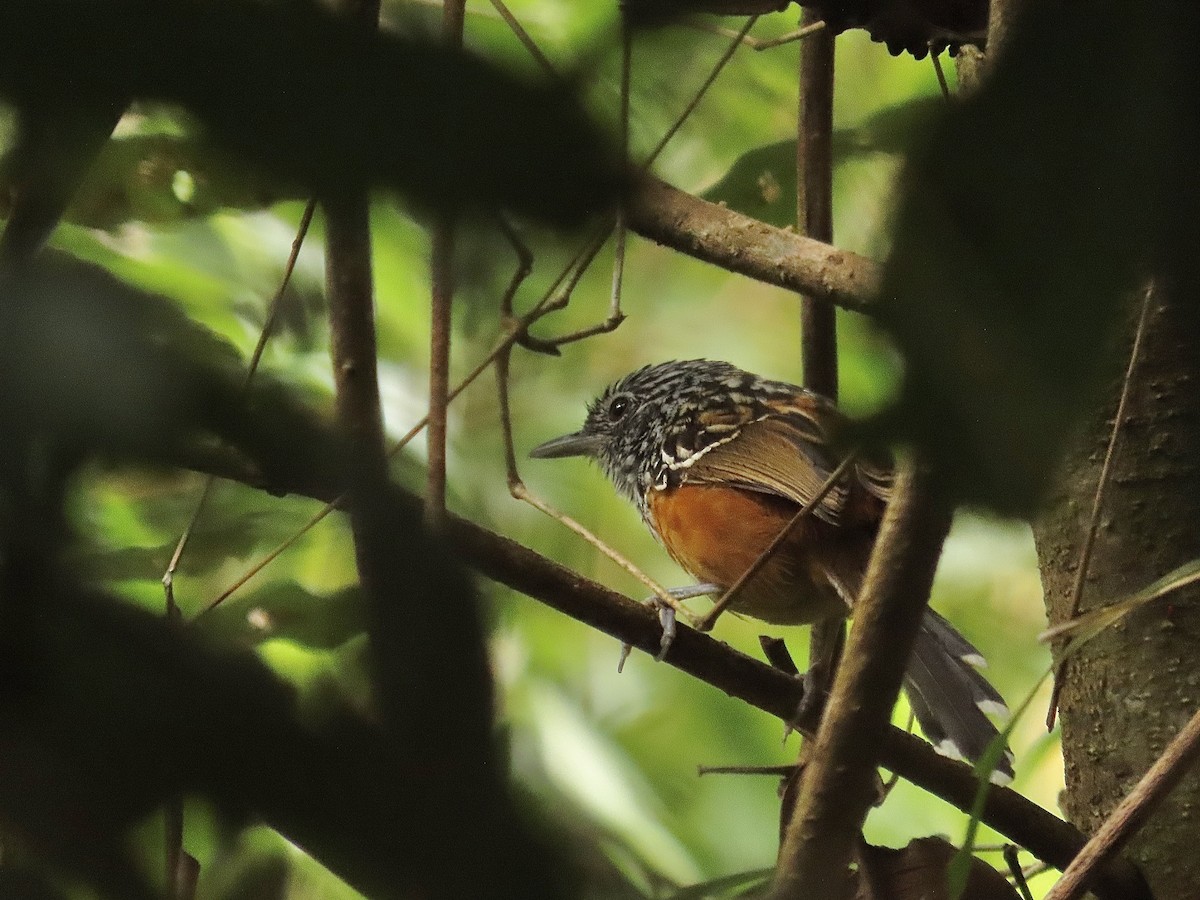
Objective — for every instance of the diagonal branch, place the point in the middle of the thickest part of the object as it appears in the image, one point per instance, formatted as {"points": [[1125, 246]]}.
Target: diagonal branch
{"points": [[521, 569], [740, 244], [1131, 813], [839, 783]]}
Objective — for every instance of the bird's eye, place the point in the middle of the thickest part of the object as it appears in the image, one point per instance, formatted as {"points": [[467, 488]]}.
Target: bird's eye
{"points": [[618, 407]]}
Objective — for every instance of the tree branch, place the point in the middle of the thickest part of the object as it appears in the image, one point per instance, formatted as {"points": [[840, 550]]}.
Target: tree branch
{"points": [[1008, 812], [839, 783], [427, 644], [738, 243], [1131, 813], [814, 200], [818, 320], [523, 570]]}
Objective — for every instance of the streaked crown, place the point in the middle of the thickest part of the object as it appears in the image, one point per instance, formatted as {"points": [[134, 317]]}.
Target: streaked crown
{"points": [[648, 427]]}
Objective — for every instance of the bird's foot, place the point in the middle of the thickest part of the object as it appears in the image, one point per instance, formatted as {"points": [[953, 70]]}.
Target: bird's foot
{"points": [[816, 695], [668, 616], [812, 703]]}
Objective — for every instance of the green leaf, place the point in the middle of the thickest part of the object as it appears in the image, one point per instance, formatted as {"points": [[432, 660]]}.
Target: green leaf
{"points": [[762, 182], [1087, 626]]}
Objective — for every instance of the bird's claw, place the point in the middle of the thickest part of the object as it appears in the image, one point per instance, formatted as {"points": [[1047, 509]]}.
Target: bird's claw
{"points": [[812, 704], [668, 612], [668, 619]]}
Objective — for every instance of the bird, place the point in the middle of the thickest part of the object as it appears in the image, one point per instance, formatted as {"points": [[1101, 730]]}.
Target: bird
{"points": [[718, 460]]}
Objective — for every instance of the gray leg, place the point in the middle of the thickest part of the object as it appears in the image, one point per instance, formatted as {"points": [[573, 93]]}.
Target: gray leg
{"points": [[666, 616]]}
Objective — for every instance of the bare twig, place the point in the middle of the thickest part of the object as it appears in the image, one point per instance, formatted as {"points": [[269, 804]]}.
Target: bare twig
{"points": [[1016, 872], [441, 302], [699, 95], [520, 491], [526, 41], [936, 59], [615, 317], [517, 332], [264, 335], [838, 788], [1131, 813], [760, 44], [778, 771], [1089, 538], [179, 863], [818, 320]]}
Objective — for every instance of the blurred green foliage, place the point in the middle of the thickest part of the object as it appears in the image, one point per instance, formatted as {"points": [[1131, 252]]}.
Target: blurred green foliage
{"points": [[607, 762]]}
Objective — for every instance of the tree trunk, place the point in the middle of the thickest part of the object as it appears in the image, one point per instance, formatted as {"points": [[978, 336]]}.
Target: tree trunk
{"points": [[1131, 689]]}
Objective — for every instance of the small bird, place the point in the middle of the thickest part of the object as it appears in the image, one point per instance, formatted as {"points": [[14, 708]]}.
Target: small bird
{"points": [[718, 461]]}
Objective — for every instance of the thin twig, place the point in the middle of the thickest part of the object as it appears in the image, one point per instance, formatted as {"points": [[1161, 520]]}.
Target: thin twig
{"points": [[264, 335], [1089, 538], [699, 95], [759, 44], [520, 491], [814, 203], [936, 59], [1131, 813], [1016, 872], [818, 319], [441, 304], [615, 317], [554, 299], [778, 771], [182, 869], [526, 41]]}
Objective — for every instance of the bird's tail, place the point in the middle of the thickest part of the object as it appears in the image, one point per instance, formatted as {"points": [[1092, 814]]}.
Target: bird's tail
{"points": [[949, 696]]}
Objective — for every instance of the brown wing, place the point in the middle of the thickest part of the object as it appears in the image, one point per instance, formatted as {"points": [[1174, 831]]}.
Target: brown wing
{"points": [[785, 455], [876, 477]]}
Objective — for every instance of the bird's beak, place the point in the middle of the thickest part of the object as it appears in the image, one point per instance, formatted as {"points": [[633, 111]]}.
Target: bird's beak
{"points": [[577, 444]]}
